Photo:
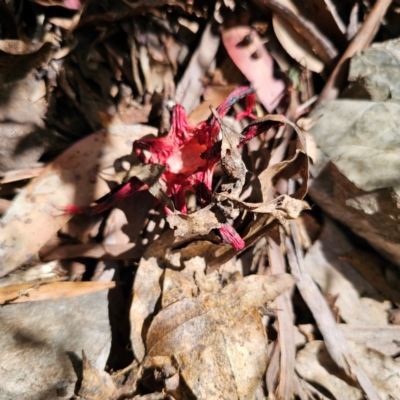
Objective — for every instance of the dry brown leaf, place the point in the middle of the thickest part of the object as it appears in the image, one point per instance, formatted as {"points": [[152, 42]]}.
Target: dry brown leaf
{"points": [[25, 136], [146, 293], [39, 291], [190, 87], [198, 223], [381, 338], [95, 250], [362, 39], [71, 179], [213, 96], [377, 271], [358, 301], [335, 341], [213, 336], [310, 363], [320, 44], [96, 384], [295, 45], [314, 364], [19, 47], [191, 281], [21, 174], [178, 285], [50, 271]]}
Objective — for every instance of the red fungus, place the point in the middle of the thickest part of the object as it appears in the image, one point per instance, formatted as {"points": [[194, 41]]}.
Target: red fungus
{"points": [[190, 154]]}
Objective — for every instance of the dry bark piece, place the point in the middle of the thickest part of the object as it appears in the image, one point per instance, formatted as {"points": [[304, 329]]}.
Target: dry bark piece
{"points": [[208, 337]]}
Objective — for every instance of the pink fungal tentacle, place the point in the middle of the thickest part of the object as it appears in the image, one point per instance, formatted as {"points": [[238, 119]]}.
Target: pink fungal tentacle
{"points": [[190, 154], [229, 235], [128, 189]]}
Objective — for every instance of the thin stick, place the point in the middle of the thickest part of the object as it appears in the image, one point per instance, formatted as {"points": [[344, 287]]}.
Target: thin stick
{"points": [[333, 337], [286, 343]]}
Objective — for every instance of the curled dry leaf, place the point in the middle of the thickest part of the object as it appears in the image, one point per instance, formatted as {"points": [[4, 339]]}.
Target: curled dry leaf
{"points": [[295, 45], [212, 337], [300, 38], [283, 208]]}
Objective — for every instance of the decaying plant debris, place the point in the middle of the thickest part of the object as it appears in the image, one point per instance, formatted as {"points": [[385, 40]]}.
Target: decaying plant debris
{"points": [[159, 167]]}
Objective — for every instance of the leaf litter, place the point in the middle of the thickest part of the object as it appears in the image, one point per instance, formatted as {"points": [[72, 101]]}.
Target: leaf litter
{"points": [[155, 200]]}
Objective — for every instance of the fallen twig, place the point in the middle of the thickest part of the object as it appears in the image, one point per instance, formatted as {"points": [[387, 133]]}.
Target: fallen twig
{"points": [[334, 339]]}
